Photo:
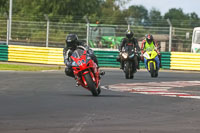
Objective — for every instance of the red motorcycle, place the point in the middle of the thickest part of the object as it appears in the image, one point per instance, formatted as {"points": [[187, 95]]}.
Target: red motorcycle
{"points": [[85, 71]]}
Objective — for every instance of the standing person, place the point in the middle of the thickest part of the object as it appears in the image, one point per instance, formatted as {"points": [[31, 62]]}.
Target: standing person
{"points": [[150, 43], [133, 43]]}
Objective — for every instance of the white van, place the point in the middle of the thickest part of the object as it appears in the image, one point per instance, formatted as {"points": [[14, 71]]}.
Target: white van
{"points": [[196, 40]]}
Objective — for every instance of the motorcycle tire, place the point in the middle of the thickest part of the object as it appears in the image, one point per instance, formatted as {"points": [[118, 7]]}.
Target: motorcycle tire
{"points": [[128, 70], [152, 70], [156, 73], [99, 90], [91, 85]]}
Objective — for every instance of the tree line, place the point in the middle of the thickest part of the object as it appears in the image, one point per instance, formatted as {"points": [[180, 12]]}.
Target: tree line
{"points": [[101, 11]]}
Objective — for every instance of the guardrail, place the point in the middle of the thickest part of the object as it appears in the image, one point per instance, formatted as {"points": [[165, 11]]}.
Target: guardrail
{"points": [[30, 54], [185, 61], [3, 53], [106, 58]]}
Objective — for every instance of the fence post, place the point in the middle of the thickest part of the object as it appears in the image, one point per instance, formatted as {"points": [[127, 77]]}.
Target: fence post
{"points": [[10, 19], [130, 22], [170, 34], [47, 34], [7, 36]]}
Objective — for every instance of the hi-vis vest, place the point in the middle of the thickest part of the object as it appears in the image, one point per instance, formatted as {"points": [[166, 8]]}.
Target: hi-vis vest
{"points": [[148, 46]]}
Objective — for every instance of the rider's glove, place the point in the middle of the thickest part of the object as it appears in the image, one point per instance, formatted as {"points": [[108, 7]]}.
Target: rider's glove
{"points": [[68, 64]]}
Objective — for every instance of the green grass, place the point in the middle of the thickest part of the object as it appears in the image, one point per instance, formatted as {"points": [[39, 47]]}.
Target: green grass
{"points": [[18, 67]]}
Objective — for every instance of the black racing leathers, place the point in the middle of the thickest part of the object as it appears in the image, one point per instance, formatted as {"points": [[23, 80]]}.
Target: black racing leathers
{"points": [[67, 52], [133, 44]]}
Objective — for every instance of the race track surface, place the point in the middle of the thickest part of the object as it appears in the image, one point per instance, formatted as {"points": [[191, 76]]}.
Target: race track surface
{"points": [[49, 102]]}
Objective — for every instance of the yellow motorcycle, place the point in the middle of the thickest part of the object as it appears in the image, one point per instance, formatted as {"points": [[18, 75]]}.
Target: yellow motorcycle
{"points": [[150, 55]]}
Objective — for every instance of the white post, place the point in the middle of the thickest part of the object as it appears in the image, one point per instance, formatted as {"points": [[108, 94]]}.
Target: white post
{"points": [[129, 21], [129, 27], [170, 35], [47, 33], [88, 31], [7, 39], [7, 20], [10, 19], [47, 37]]}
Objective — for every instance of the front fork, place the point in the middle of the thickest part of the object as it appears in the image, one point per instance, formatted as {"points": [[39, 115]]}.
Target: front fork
{"points": [[154, 65]]}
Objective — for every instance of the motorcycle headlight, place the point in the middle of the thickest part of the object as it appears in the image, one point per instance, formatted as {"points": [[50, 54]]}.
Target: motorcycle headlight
{"points": [[125, 55]]}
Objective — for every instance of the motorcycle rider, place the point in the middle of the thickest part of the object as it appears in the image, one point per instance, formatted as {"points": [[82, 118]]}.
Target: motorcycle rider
{"points": [[71, 45], [149, 42], [129, 40]]}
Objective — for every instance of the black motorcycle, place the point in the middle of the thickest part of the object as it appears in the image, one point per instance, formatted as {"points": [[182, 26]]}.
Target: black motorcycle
{"points": [[129, 57]]}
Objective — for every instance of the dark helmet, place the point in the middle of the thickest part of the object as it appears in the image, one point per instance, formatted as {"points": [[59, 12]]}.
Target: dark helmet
{"points": [[71, 41], [129, 34], [149, 38]]}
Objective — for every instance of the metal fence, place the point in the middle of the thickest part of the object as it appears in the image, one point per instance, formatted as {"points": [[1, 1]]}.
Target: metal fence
{"points": [[41, 33]]}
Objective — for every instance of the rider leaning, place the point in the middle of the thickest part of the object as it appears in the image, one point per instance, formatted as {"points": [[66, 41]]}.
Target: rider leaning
{"points": [[71, 45], [129, 40], [150, 43]]}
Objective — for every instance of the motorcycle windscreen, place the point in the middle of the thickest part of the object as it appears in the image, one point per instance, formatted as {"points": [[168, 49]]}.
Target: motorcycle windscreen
{"points": [[129, 49], [77, 53]]}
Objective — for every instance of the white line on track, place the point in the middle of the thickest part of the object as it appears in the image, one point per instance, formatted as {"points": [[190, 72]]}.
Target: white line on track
{"points": [[78, 127], [156, 88]]}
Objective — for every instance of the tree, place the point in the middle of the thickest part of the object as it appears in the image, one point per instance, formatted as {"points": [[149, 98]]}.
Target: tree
{"points": [[139, 13], [194, 20], [56, 9], [4, 6], [111, 13], [177, 17], [155, 17]]}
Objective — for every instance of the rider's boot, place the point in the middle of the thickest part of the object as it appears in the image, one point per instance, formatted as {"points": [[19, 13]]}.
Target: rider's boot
{"points": [[77, 84], [102, 73], [122, 65]]}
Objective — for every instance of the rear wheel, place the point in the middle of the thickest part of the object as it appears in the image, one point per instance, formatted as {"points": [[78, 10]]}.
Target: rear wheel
{"points": [[91, 85], [99, 90], [128, 70]]}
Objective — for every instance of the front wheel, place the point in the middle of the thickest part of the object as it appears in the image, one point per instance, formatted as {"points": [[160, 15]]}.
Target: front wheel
{"points": [[153, 71], [91, 85]]}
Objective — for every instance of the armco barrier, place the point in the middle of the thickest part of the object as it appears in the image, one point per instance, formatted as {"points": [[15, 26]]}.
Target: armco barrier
{"points": [[35, 54], [3, 53], [43, 55], [185, 61], [107, 58], [165, 60]]}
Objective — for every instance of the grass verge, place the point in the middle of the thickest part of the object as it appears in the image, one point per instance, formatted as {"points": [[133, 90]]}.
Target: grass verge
{"points": [[18, 67]]}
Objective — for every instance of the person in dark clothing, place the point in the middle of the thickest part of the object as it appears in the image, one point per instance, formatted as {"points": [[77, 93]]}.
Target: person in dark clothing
{"points": [[72, 43], [133, 43]]}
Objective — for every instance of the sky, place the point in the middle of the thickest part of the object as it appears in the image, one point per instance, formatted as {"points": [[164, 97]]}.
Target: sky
{"points": [[188, 6]]}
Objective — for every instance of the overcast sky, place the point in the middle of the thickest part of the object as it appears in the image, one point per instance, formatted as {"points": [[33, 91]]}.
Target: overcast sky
{"points": [[163, 6]]}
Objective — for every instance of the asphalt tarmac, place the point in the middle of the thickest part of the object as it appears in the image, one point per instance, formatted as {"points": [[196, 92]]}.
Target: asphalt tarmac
{"points": [[49, 102]]}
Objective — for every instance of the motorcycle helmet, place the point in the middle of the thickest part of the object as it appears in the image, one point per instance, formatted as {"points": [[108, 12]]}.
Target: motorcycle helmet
{"points": [[71, 41], [149, 38], [129, 34]]}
